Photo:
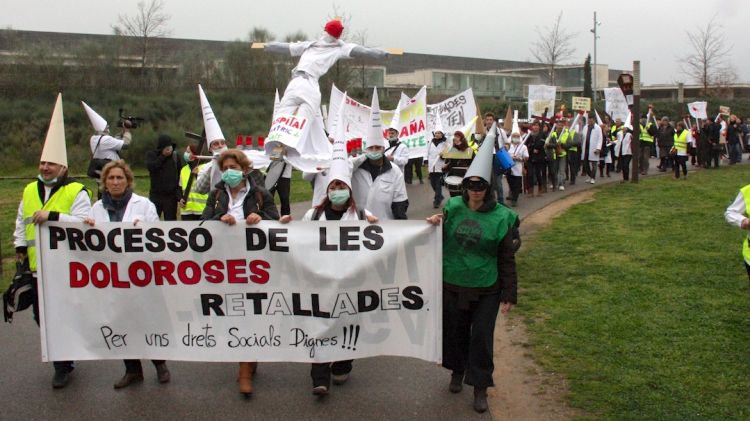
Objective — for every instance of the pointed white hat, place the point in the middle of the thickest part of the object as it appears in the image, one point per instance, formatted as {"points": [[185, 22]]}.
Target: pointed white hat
{"points": [[374, 135], [339, 157], [481, 166], [468, 129], [54, 144], [210, 123], [598, 119], [276, 103], [629, 121], [99, 123], [516, 129], [438, 124], [395, 121]]}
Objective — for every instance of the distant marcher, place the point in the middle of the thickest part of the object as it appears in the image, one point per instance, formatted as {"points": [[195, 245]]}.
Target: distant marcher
{"points": [[737, 214], [164, 170], [435, 164], [665, 140], [679, 150], [593, 141]]}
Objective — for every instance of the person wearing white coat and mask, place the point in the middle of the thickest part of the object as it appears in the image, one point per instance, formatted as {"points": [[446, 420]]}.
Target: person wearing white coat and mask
{"points": [[120, 204], [591, 142], [623, 150], [378, 185]]}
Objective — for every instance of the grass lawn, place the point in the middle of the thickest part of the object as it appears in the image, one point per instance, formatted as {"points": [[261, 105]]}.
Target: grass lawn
{"points": [[641, 300], [12, 190]]}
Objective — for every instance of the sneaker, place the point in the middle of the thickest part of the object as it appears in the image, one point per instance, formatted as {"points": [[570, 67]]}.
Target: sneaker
{"points": [[61, 378], [340, 378], [320, 390], [561, 188], [593, 181], [457, 380]]}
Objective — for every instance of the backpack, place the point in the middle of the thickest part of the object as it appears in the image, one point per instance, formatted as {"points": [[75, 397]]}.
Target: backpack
{"points": [[20, 294]]}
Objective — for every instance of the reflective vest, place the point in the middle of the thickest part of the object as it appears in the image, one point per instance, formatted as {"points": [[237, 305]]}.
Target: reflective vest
{"points": [[745, 246], [196, 202], [644, 136], [564, 136], [61, 201], [680, 141]]}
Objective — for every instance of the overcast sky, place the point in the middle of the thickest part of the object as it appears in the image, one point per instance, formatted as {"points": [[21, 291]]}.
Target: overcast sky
{"points": [[656, 34]]}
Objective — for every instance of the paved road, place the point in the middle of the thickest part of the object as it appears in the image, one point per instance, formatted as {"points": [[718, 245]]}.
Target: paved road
{"points": [[379, 388]]}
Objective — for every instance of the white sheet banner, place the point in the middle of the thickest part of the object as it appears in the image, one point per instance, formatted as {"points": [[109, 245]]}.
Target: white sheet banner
{"points": [[413, 124], [542, 97], [616, 104], [300, 292], [454, 113]]}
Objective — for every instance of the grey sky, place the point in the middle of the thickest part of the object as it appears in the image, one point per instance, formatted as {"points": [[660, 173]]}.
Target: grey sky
{"points": [[493, 29]]}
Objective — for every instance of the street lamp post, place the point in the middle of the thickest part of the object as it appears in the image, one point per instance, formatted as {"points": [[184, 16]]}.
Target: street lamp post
{"points": [[596, 36]]}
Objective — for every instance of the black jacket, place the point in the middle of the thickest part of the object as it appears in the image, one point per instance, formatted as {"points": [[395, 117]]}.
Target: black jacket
{"points": [[666, 136], [257, 200], [164, 170]]}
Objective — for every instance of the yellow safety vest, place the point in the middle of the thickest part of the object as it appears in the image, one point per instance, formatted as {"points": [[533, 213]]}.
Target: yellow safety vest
{"points": [[564, 136], [196, 202], [61, 201], [680, 142], [745, 245], [644, 136]]}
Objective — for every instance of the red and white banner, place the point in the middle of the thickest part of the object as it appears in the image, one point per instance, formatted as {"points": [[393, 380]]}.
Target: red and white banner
{"points": [[300, 292]]}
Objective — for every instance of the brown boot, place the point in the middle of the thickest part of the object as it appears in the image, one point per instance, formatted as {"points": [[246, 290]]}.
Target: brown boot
{"points": [[246, 378]]}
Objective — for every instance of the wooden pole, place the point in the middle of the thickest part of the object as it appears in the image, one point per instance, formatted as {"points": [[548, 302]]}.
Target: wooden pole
{"points": [[636, 121]]}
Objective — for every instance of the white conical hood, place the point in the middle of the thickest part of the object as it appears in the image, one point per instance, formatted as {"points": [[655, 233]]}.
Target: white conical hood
{"points": [[374, 135], [598, 119], [210, 123], [629, 121], [516, 129], [99, 123], [339, 157], [481, 166], [438, 124], [468, 128], [54, 144], [395, 121], [276, 103]]}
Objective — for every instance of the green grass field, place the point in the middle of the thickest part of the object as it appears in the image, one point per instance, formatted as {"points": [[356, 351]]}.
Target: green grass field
{"points": [[12, 190], [641, 301]]}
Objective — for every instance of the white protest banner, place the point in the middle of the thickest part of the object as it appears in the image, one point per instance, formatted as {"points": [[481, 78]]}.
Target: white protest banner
{"points": [[581, 103], [616, 105], [307, 147], [454, 112], [541, 97], [355, 115], [698, 109], [413, 124], [300, 292]]}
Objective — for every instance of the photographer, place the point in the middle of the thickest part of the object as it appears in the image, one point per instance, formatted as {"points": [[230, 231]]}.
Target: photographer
{"points": [[104, 147], [164, 169]]}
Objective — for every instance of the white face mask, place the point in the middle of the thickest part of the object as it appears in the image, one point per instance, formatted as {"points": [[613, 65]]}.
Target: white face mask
{"points": [[218, 152]]}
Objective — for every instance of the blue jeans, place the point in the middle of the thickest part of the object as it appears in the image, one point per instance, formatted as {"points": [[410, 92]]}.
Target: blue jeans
{"points": [[436, 181]]}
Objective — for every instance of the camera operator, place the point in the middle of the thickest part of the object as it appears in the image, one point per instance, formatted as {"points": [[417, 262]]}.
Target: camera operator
{"points": [[104, 147]]}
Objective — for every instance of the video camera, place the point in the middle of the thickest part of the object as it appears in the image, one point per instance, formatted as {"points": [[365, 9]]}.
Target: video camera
{"points": [[134, 121]]}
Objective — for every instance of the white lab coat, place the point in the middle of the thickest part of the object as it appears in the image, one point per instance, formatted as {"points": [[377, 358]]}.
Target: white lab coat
{"points": [[596, 142], [400, 155], [434, 162], [138, 207], [378, 195], [350, 215], [320, 182], [623, 144]]}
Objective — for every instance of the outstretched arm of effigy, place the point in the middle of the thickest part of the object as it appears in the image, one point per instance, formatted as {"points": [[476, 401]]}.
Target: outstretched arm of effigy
{"points": [[376, 53]]}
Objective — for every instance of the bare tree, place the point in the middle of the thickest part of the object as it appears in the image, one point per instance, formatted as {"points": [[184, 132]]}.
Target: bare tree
{"points": [[296, 36], [149, 22], [553, 46], [708, 61], [259, 34]]}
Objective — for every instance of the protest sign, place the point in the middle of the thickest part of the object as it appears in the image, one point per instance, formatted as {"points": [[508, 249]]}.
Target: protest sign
{"points": [[303, 291], [412, 122], [724, 110], [616, 105], [453, 112], [698, 109], [542, 97], [580, 103]]}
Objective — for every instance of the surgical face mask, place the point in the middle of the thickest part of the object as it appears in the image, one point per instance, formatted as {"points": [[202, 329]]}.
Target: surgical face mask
{"points": [[46, 182], [232, 177], [338, 197], [186, 156], [218, 152], [393, 137], [374, 155], [478, 136], [515, 140]]}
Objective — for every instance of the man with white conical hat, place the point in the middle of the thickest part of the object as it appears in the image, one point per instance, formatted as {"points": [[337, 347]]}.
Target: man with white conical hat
{"points": [[479, 274], [210, 175], [105, 147], [396, 152], [51, 197], [378, 184], [435, 162]]}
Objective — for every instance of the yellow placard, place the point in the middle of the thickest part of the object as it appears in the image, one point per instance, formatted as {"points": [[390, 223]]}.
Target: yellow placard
{"points": [[581, 103]]}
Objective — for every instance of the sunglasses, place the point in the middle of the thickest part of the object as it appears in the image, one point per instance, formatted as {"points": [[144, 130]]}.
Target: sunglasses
{"points": [[475, 185]]}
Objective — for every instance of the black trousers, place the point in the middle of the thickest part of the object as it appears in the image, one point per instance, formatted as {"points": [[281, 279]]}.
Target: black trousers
{"points": [[574, 164], [416, 164], [625, 166], [538, 174], [714, 156], [436, 181], [283, 187], [590, 168], [321, 372], [166, 204], [59, 365], [134, 366], [680, 161], [193, 217], [514, 182], [468, 336]]}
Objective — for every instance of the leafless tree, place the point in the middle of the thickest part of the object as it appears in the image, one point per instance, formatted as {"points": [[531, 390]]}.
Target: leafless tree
{"points": [[296, 36], [259, 34], [553, 46], [150, 21], [708, 62]]}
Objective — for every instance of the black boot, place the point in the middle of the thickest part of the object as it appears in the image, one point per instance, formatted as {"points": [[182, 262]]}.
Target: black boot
{"points": [[457, 380], [480, 399], [61, 378]]}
